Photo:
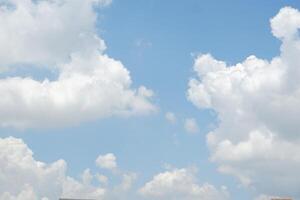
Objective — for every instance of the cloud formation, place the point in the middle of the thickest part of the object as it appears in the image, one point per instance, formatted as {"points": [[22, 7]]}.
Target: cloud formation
{"points": [[23, 177], [181, 184], [190, 125], [107, 161], [171, 117], [53, 35], [258, 106]]}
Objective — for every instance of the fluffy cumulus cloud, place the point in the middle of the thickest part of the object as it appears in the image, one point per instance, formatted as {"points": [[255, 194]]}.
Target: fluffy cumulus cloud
{"points": [[55, 36], [107, 161], [181, 184], [24, 178], [258, 106]]}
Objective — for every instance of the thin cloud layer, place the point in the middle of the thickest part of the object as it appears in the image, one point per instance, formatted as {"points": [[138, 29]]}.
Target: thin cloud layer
{"points": [[53, 35], [258, 106], [171, 117], [190, 125]]}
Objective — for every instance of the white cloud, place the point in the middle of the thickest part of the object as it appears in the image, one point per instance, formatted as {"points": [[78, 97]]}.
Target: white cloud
{"points": [[127, 181], [23, 177], [102, 179], [90, 84], [87, 177], [190, 125], [258, 106], [171, 117], [107, 161], [76, 189], [26, 194], [181, 184], [44, 32]]}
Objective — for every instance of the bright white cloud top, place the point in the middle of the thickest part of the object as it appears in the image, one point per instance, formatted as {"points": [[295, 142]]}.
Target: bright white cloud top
{"points": [[25, 178], [107, 161], [181, 184], [258, 105], [54, 35]]}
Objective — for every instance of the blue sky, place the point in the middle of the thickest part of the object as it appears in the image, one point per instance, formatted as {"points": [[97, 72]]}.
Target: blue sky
{"points": [[158, 42]]}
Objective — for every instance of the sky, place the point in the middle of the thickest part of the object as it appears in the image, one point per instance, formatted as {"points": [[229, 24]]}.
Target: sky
{"points": [[148, 99]]}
